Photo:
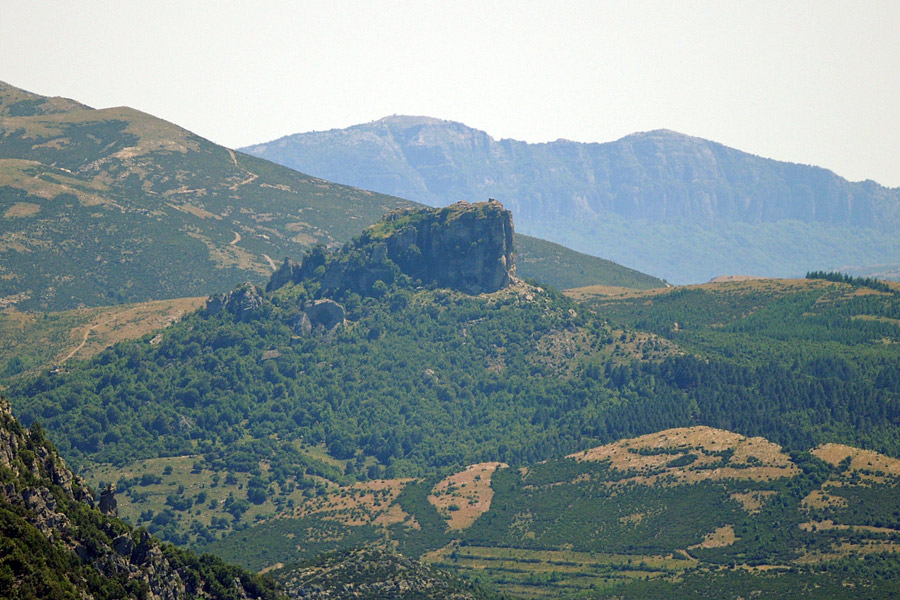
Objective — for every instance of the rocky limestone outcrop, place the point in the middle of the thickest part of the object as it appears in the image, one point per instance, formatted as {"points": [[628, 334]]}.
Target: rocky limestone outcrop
{"points": [[288, 272], [322, 316], [108, 504], [467, 247], [244, 302], [326, 314]]}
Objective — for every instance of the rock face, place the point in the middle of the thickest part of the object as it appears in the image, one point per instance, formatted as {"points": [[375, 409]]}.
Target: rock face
{"points": [[108, 503], [56, 544], [326, 314], [322, 316], [467, 247], [243, 302]]}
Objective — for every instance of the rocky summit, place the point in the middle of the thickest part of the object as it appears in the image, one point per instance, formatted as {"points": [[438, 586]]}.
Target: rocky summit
{"points": [[466, 246]]}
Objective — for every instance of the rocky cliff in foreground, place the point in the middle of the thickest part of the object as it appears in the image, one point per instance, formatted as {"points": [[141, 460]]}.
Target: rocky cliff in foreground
{"points": [[54, 543]]}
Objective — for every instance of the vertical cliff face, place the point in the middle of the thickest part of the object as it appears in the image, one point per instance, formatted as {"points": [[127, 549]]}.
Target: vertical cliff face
{"points": [[465, 246]]}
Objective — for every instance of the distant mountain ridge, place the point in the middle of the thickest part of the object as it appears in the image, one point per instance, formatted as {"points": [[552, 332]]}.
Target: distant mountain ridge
{"points": [[115, 205], [677, 206]]}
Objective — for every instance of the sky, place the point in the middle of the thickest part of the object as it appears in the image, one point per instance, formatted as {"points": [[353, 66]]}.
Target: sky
{"points": [[813, 82]]}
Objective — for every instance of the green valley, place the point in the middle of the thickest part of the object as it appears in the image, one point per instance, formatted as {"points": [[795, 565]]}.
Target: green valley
{"points": [[365, 397]]}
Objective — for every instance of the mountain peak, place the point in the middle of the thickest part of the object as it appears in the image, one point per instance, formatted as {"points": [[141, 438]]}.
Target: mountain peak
{"points": [[465, 246], [659, 135], [15, 102], [410, 120]]}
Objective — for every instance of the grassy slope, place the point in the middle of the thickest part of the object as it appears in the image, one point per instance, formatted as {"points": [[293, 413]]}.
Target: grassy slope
{"points": [[564, 268], [678, 512], [39, 341]]}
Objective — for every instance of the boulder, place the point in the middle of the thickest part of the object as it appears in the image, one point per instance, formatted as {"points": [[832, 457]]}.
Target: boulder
{"points": [[326, 314]]}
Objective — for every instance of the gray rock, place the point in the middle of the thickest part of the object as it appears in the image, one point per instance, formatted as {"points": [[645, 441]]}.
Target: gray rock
{"points": [[123, 545], [108, 503], [468, 247], [325, 313], [244, 302], [288, 272], [302, 326]]}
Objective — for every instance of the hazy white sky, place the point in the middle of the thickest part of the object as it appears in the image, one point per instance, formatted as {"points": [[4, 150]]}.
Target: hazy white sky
{"points": [[811, 82]]}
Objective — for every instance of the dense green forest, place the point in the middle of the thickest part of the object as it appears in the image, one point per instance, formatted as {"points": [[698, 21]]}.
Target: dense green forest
{"points": [[430, 378], [422, 379], [680, 512]]}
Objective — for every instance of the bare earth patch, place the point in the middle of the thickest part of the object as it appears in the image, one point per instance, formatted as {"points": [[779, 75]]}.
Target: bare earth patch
{"points": [[720, 538], [463, 497], [22, 209], [860, 460], [691, 454]]}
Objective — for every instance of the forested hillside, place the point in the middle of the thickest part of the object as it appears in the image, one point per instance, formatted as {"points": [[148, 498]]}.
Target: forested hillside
{"points": [[54, 543], [350, 369]]}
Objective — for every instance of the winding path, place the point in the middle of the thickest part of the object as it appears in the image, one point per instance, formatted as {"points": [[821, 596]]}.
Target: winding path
{"points": [[87, 334]]}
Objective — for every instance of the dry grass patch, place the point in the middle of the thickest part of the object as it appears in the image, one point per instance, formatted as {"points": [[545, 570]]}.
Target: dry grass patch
{"points": [[118, 324], [862, 461], [828, 524], [633, 518], [607, 291], [846, 549], [692, 454], [191, 209], [818, 499], [231, 256], [22, 209], [752, 501], [47, 182], [722, 537], [463, 497], [365, 503]]}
